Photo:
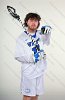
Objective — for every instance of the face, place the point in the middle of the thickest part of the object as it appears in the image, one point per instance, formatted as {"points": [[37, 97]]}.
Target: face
{"points": [[32, 24]]}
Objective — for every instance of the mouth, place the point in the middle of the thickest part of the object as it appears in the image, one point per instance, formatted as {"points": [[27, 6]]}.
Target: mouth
{"points": [[33, 26]]}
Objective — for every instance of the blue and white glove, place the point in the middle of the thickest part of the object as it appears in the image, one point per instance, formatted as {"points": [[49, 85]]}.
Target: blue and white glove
{"points": [[46, 30]]}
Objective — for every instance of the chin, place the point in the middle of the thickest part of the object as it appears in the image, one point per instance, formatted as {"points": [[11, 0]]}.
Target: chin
{"points": [[34, 28]]}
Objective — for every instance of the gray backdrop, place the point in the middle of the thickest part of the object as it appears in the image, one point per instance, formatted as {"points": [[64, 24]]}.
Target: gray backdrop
{"points": [[52, 13]]}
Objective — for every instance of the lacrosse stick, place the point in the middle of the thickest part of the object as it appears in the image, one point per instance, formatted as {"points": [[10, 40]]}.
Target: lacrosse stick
{"points": [[44, 30], [13, 13]]}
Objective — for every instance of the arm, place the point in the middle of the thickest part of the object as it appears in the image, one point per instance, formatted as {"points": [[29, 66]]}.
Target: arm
{"points": [[46, 34], [21, 52]]}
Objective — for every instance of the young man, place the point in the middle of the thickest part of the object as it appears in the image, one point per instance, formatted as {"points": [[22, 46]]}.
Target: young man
{"points": [[30, 52]]}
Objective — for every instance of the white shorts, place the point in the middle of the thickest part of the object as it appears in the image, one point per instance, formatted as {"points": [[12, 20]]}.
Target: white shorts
{"points": [[32, 87]]}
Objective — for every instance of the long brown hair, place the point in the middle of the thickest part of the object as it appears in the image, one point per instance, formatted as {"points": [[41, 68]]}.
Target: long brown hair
{"points": [[32, 16]]}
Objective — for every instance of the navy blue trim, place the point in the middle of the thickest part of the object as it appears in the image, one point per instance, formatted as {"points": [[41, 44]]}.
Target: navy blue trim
{"points": [[31, 35], [26, 32]]}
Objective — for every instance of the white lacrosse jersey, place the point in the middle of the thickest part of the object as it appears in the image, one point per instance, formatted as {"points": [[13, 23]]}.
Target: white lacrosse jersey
{"points": [[30, 52]]}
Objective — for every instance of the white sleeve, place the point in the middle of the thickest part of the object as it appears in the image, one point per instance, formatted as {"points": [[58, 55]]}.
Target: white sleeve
{"points": [[46, 38], [20, 52]]}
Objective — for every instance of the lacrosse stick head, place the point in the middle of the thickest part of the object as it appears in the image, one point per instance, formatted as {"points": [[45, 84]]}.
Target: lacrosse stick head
{"points": [[12, 12], [46, 29]]}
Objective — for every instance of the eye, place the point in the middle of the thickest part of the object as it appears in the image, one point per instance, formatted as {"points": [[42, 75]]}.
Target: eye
{"points": [[33, 19]]}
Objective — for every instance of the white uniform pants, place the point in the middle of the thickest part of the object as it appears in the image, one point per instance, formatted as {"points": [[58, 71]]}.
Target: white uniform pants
{"points": [[32, 87]]}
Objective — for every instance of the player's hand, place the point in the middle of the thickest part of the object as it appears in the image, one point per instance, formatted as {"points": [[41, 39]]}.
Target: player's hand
{"points": [[45, 30]]}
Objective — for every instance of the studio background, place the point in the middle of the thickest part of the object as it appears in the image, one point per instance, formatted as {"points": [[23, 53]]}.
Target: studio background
{"points": [[52, 13]]}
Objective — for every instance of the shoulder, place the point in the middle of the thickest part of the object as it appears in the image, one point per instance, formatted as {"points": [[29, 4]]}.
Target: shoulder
{"points": [[21, 37], [39, 32]]}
